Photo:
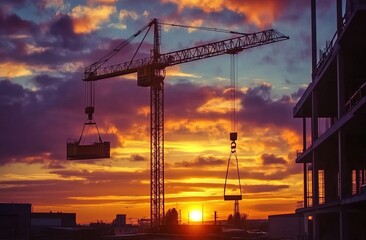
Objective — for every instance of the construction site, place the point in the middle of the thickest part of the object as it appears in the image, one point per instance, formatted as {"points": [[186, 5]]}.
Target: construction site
{"points": [[333, 108], [334, 173], [331, 111], [151, 73]]}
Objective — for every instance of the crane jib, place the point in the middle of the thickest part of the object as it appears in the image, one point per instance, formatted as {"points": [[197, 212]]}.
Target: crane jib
{"points": [[227, 46]]}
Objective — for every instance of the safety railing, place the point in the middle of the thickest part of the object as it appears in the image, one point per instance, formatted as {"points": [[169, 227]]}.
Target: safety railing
{"points": [[356, 97]]}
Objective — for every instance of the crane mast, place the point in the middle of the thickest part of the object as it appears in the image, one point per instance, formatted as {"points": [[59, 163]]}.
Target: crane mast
{"points": [[151, 73], [157, 134]]}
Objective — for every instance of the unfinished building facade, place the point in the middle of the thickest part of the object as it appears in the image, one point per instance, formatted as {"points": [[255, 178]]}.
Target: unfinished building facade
{"points": [[333, 112]]}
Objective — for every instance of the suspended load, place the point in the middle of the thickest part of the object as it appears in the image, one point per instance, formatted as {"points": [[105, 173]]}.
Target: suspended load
{"points": [[77, 150], [85, 149], [90, 145], [232, 187]]}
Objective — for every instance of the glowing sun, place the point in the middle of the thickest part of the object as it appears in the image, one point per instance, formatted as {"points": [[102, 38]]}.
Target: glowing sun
{"points": [[195, 216]]}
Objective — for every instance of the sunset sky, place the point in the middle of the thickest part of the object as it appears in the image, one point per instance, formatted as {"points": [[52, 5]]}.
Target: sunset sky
{"points": [[44, 47]]}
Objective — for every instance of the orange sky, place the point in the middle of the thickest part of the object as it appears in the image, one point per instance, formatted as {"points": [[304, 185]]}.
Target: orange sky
{"points": [[42, 105], [196, 153]]}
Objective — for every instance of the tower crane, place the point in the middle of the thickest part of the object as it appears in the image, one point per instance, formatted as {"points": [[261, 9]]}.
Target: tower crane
{"points": [[151, 73]]}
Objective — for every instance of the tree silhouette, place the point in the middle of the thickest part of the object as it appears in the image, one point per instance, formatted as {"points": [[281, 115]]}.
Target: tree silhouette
{"points": [[238, 220], [171, 217]]}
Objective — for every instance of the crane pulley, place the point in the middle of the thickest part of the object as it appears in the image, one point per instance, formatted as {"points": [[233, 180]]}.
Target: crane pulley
{"points": [[151, 73]]}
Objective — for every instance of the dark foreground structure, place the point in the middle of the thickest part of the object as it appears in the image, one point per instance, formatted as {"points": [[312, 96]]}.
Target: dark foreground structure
{"points": [[15, 221], [334, 105]]}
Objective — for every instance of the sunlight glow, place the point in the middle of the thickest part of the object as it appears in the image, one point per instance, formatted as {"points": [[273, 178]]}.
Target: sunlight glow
{"points": [[195, 216]]}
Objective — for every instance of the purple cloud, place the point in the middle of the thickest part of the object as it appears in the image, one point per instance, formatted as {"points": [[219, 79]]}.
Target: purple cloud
{"points": [[269, 159], [201, 162]]}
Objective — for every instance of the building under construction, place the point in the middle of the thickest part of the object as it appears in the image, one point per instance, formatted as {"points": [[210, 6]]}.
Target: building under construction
{"points": [[334, 142]]}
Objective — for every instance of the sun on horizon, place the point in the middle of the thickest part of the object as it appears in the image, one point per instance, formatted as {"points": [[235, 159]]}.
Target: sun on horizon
{"points": [[195, 215]]}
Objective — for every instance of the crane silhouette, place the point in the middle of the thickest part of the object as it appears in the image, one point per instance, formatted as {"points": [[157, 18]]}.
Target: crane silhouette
{"points": [[151, 73]]}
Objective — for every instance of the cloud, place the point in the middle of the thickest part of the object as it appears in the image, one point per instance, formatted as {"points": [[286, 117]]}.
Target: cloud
{"points": [[257, 101], [269, 159], [87, 19], [109, 2], [62, 28], [137, 158], [260, 175], [29, 119], [263, 188], [176, 71], [42, 57], [179, 187], [11, 24], [53, 4], [259, 13], [124, 14], [201, 162], [296, 95], [13, 70], [36, 110], [69, 187]]}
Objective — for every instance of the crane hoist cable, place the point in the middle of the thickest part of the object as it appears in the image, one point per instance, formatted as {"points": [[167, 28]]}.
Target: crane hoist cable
{"points": [[237, 194], [89, 110]]}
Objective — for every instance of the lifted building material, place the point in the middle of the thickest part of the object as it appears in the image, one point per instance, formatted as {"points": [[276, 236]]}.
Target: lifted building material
{"points": [[76, 151], [84, 148], [232, 197]]}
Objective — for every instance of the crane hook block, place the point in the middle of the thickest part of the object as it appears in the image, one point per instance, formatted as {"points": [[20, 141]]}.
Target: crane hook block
{"points": [[233, 136], [89, 111]]}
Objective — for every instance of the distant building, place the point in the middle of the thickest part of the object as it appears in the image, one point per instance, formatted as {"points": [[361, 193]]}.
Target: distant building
{"points": [[48, 225], [120, 220], [53, 219], [334, 105], [15, 221], [121, 227]]}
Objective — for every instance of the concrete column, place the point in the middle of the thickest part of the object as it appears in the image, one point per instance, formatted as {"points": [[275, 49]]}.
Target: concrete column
{"points": [[331, 179], [303, 134], [339, 17], [343, 224], [313, 36], [345, 174], [314, 136], [340, 85], [344, 171], [316, 226], [315, 181], [305, 172], [305, 167]]}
